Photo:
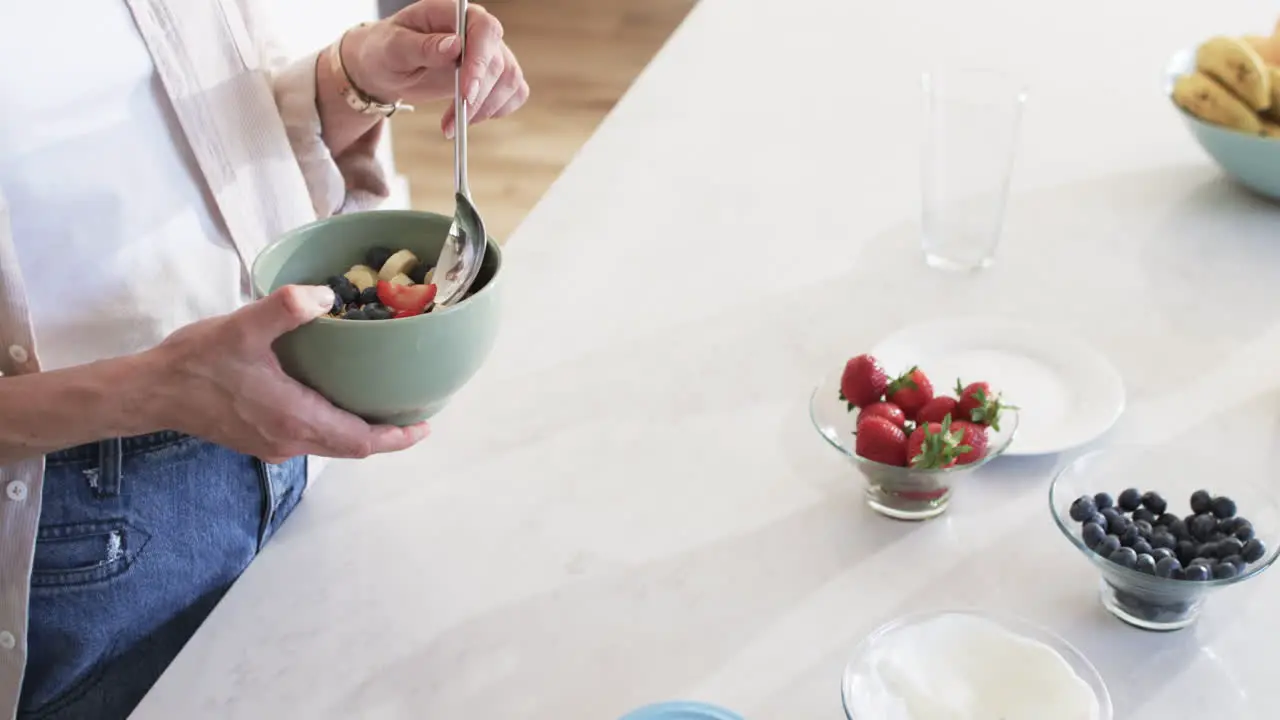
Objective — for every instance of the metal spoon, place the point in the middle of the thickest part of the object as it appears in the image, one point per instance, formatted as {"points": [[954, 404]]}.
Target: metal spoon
{"points": [[463, 251]]}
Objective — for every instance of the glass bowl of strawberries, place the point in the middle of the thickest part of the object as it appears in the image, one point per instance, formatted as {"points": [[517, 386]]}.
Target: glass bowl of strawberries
{"points": [[911, 443]]}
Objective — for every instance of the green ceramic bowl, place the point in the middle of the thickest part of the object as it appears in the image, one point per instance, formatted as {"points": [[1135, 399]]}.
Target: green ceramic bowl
{"points": [[397, 372], [1251, 160]]}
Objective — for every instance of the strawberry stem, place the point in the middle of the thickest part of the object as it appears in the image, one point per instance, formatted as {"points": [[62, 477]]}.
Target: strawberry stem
{"points": [[939, 449]]}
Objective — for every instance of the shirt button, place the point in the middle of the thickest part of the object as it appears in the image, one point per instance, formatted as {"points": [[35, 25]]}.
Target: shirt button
{"points": [[16, 490], [18, 353], [7, 640]]}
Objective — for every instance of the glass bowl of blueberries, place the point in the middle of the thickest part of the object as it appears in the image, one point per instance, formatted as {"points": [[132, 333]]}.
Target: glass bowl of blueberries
{"points": [[1164, 545]]}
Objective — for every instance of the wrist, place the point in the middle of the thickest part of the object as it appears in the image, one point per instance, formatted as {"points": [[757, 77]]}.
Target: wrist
{"points": [[352, 49], [136, 386]]}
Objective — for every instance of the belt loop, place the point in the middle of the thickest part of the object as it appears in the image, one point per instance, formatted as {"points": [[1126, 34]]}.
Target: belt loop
{"points": [[109, 455]]}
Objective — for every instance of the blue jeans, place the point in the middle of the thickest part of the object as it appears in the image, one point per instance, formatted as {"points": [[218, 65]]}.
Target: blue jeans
{"points": [[139, 539]]}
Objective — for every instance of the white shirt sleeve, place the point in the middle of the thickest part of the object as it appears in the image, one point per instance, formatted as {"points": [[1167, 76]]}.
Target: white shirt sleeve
{"points": [[354, 180]]}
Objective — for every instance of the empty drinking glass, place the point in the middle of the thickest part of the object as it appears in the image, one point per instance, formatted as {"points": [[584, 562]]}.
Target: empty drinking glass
{"points": [[971, 137]]}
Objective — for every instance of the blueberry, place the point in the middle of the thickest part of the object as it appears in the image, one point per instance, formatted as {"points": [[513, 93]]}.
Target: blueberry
{"points": [[1244, 531], [1092, 534], [419, 273], [1125, 557], [1145, 564], [1205, 561], [1154, 502], [1253, 551], [1195, 573], [1228, 547], [1083, 508], [1224, 507], [1130, 500], [343, 288], [1130, 536], [338, 305], [1162, 553], [1103, 501], [1144, 527], [1201, 501], [1239, 562], [377, 312], [1142, 547], [1115, 521], [1224, 571], [1178, 574], [1203, 526], [1186, 551], [1109, 545], [368, 296], [1166, 519], [376, 257], [1144, 515], [1163, 540], [1178, 529], [1228, 526], [1098, 518], [356, 314]]}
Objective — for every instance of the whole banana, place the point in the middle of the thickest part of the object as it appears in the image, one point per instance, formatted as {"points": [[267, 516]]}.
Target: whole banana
{"points": [[1234, 63], [1203, 97]]}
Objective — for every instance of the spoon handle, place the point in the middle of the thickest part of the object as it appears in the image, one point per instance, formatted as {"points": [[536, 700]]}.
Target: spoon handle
{"points": [[460, 110]]}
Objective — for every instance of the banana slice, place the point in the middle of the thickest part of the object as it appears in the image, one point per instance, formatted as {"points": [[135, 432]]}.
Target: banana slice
{"points": [[1235, 64], [401, 279], [1274, 112], [1203, 97], [429, 277], [404, 261], [362, 276]]}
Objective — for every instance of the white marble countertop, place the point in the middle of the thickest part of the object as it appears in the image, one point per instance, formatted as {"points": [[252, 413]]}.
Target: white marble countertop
{"points": [[629, 505]]}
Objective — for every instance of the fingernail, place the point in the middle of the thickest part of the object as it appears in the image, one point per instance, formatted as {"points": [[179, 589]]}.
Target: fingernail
{"points": [[473, 91], [448, 133], [419, 431], [322, 295], [446, 44]]}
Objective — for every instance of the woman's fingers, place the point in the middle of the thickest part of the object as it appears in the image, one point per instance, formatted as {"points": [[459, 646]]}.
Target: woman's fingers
{"points": [[509, 91]]}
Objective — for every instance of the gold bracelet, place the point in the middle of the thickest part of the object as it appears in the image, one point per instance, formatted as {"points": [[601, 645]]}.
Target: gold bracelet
{"points": [[357, 99]]}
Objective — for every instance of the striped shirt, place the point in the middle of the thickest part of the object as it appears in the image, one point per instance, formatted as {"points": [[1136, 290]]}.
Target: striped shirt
{"points": [[248, 113]]}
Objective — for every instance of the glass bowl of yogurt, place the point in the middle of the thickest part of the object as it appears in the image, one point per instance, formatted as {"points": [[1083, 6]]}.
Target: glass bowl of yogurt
{"points": [[1207, 511], [968, 665]]}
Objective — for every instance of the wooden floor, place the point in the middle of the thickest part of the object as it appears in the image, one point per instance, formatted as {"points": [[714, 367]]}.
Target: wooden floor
{"points": [[579, 57]]}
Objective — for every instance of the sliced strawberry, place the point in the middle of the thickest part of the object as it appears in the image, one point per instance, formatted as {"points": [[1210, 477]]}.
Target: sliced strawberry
{"points": [[910, 391], [979, 404], [881, 441], [863, 381], [888, 411], [974, 437], [410, 299], [936, 410], [935, 446]]}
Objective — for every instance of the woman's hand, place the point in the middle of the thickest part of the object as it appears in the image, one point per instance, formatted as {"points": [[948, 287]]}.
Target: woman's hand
{"points": [[217, 379], [221, 381], [412, 56]]}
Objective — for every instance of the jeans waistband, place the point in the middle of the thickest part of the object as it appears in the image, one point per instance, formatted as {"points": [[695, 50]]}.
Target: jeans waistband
{"points": [[91, 452]]}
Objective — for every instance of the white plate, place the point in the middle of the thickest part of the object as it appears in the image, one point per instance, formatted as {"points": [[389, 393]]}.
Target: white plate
{"points": [[1068, 393]]}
